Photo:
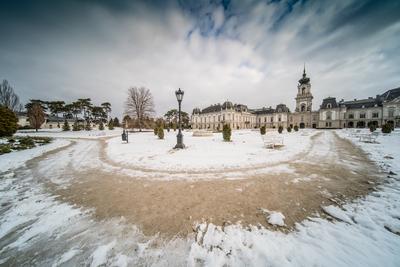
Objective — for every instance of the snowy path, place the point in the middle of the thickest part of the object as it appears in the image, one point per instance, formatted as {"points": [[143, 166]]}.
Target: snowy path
{"points": [[47, 216]]}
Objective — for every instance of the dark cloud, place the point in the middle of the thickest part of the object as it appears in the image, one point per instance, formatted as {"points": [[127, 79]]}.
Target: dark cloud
{"points": [[248, 51]]}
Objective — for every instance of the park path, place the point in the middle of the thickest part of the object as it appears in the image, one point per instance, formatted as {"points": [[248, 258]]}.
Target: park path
{"points": [[73, 198]]}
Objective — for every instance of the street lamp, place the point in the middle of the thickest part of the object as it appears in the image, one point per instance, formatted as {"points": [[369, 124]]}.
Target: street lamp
{"points": [[179, 137]]}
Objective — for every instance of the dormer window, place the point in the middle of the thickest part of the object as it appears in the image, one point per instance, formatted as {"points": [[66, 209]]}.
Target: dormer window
{"points": [[329, 105]]}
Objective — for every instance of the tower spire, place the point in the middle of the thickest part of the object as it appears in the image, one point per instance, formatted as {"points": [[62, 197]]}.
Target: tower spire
{"points": [[304, 70]]}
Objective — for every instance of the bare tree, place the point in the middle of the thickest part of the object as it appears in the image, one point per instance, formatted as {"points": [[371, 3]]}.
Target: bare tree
{"points": [[8, 98], [139, 104], [36, 115]]}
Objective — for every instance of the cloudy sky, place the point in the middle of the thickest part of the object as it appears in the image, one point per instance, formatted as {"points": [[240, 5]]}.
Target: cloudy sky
{"points": [[250, 52]]}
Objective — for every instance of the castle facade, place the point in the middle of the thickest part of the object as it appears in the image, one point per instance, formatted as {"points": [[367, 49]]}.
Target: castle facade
{"points": [[378, 110]]}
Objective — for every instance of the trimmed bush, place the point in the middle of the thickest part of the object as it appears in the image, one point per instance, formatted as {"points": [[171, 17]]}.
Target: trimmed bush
{"points": [[372, 128], [66, 126], [111, 125], [88, 127], [5, 148], [280, 129], [42, 140], [101, 126], [296, 128], [26, 142], [75, 127], [155, 130], [262, 130], [386, 128], [160, 132], [8, 122], [289, 129], [226, 133]]}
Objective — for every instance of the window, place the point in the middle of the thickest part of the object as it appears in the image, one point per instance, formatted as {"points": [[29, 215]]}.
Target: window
{"points": [[391, 112], [328, 115], [279, 118], [303, 108], [265, 119], [303, 91], [272, 119], [375, 115], [362, 115], [351, 116], [329, 105]]}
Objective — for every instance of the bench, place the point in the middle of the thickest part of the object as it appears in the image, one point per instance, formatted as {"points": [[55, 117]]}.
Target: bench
{"points": [[272, 141], [368, 138]]}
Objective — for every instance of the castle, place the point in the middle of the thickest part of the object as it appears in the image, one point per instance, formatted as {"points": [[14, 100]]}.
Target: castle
{"points": [[384, 108]]}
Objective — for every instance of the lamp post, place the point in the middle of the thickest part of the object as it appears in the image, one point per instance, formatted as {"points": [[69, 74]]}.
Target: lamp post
{"points": [[179, 137]]}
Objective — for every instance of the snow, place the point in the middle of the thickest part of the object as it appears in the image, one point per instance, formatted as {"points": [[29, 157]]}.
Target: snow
{"points": [[17, 159], [32, 222], [246, 150], [58, 133], [274, 217], [364, 233]]}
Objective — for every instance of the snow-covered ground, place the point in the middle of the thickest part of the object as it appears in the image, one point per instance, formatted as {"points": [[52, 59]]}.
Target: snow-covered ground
{"points": [[38, 229], [17, 159], [365, 233], [59, 133], [246, 149]]}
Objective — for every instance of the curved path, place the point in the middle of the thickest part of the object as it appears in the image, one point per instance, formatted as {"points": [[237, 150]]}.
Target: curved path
{"points": [[332, 170]]}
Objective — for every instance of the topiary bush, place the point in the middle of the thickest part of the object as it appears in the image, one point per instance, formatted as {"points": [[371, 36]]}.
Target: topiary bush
{"points": [[226, 133], [8, 122], [66, 126], [155, 130], [289, 129], [5, 148], [296, 128], [262, 130], [88, 127], [111, 125], [372, 128], [101, 126], [75, 127], [160, 132], [386, 128], [280, 129], [26, 142]]}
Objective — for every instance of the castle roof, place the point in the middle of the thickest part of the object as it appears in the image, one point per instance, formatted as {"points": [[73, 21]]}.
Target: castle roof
{"points": [[391, 94], [329, 100]]}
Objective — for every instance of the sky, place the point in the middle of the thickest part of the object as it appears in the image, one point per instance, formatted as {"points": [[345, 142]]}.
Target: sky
{"points": [[249, 52]]}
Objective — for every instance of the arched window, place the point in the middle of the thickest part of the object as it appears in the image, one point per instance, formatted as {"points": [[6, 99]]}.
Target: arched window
{"points": [[303, 90], [329, 105], [328, 115], [303, 108]]}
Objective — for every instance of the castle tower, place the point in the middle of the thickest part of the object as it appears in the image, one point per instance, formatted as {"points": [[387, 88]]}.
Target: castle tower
{"points": [[304, 97]]}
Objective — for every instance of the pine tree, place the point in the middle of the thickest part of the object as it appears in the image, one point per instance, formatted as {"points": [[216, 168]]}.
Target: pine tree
{"points": [[8, 121]]}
